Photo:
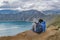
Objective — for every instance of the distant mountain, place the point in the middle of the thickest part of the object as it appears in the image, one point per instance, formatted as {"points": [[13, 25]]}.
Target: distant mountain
{"points": [[13, 15], [9, 11], [28, 15], [52, 12]]}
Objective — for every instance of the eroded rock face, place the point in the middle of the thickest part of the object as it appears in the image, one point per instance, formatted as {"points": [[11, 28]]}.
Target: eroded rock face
{"points": [[54, 37], [50, 34]]}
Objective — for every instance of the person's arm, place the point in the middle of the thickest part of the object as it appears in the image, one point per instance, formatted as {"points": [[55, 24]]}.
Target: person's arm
{"points": [[44, 26], [34, 27]]}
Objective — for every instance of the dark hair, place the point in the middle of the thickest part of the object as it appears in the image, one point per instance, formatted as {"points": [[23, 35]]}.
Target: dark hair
{"points": [[40, 20]]}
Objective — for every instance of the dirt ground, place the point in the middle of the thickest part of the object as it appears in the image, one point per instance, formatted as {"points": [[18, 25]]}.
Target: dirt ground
{"points": [[52, 33]]}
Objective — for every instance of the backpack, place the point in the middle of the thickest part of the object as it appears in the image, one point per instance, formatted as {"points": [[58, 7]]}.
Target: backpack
{"points": [[39, 28]]}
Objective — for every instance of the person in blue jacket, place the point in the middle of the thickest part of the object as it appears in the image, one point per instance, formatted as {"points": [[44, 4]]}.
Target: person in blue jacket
{"points": [[40, 26]]}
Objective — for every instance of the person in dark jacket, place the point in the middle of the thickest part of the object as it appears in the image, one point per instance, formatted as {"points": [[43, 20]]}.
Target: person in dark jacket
{"points": [[39, 27]]}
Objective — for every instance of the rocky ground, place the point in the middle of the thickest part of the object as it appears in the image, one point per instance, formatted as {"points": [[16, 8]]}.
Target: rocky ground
{"points": [[52, 33]]}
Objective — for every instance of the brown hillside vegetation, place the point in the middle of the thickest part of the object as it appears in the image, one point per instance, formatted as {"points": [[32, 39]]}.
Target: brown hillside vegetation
{"points": [[52, 33]]}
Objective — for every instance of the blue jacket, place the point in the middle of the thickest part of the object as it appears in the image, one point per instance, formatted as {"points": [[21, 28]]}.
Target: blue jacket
{"points": [[43, 26]]}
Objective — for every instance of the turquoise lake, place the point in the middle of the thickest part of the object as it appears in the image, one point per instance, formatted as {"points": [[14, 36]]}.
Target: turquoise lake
{"points": [[13, 28]]}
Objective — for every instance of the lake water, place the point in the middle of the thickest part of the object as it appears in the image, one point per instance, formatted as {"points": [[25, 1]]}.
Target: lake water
{"points": [[13, 28]]}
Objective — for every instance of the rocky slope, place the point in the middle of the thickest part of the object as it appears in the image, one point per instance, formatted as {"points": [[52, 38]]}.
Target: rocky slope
{"points": [[52, 33]]}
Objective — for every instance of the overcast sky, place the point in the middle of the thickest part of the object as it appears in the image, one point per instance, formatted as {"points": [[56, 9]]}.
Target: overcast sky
{"points": [[30, 4]]}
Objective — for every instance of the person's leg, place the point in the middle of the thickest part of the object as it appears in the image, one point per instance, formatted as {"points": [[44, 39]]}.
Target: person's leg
{"points": [[38, 32]]}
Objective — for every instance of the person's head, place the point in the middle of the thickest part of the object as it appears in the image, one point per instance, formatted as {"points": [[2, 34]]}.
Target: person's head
{"points": [[40, 20]]}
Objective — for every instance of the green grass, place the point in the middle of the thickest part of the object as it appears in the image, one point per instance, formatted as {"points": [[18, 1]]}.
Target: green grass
{"points": [[56, 22]]}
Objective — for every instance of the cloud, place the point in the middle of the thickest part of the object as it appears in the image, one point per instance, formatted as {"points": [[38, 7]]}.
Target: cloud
{"points": [[30, 4]]}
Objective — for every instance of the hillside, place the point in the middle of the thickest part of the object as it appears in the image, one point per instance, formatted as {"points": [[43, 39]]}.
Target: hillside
{"points": [[56, 21], [28, 15], [52, 33], [14, 15]]}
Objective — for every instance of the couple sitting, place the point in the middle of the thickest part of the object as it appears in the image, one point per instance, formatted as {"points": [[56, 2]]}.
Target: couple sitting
{"points": [[39, 27]]}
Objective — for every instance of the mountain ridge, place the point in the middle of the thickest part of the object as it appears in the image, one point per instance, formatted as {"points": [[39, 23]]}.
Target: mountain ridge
{"points": [[24, 15], [28, 15]]}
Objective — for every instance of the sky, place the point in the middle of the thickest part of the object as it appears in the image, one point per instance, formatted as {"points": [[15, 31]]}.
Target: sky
{"points": [[30, 4]]}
